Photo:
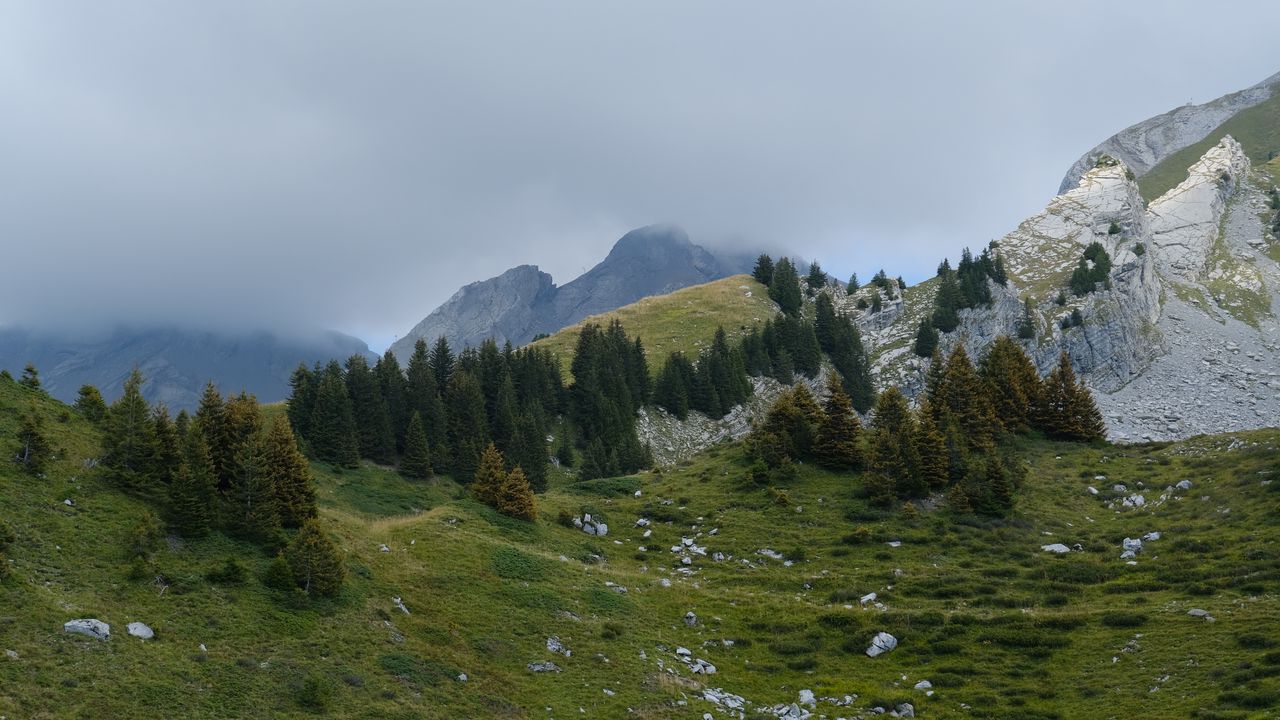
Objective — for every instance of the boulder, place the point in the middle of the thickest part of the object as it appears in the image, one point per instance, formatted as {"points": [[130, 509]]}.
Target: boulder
{"points": [[140, 630], [95, 629], [543, 667], [1183, 485], [868, 598], [1056, 548], [924, 685], [905, 710], [1133, 545], [690, 619], [1200, 613], [882, 643], [807, 698], [554, 645], [1151, 536]]}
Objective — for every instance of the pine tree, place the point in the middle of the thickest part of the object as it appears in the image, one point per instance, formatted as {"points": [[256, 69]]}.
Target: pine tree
{"points": [[947, 302], [130, 436], [255, 513], [1013, 383], [468, 431], [90, 405], [893, 445], [302, 399], [515, 498], [1027, 327], [785, 288], [489, 476], [289, 475], [391, 383], [817, 279], [34, 450], [824, 323], [1066, 410], [965, 400], [165, 455], [30, 377], [853, 286], [211, 417], [836, 445], [926, 339], [416, 462], [369, 409], [763, 271], [315, 561], [423, 397], [442, 361], [333, 433]]}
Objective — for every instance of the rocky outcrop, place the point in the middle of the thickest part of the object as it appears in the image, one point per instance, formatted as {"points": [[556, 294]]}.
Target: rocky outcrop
{"points": [[1185, 221], [523, 302], [1142, 146]]}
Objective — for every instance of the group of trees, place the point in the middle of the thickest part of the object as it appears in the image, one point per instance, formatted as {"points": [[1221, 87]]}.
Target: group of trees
{"points": [[964, 287], [1093, 267], [953, 442], [436, 415], [610, 384], [506, 491], [713, 387]]}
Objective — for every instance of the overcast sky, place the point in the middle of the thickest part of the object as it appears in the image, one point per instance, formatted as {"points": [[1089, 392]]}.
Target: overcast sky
{"points": [[350, 165]]}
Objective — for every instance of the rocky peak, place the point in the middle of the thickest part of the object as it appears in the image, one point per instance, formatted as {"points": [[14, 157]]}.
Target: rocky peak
{"points": [[1185, 221]]}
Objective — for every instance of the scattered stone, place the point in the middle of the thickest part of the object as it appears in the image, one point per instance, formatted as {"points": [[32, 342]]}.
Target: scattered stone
{"points": [[1120, 488], [1133, 545], [683, 652], [554, 645], [702, 667], [400, 604], [140, 630], [894, 543], [868, 598], [924, 685], [543, 667], [905, 710], [69, 502], [1056, 548], [384, 548], [882, 643], [95, 629], [1151, 536], [807, 698], [690, 619], [1200, 613], [11, 654], [1183, 485], [1093, 490], [462, 677]]}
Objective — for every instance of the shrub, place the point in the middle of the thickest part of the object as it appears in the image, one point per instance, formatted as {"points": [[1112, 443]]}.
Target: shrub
{"points": [[1254, 641], [1139, 249], [316, 692], [230, 572]]}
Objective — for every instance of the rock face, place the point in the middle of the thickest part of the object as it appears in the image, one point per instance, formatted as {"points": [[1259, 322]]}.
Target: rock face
{"points": [[523, 302], [175, 362], [1143, 146]]}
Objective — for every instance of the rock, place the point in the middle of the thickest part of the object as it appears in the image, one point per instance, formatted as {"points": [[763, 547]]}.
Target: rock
{"points": [[807, 698], [140, 630], [1056, 548], [400, 604], [868, 598], [11, 654], [882, 643], [543, 667], [1133, 545], [95, 629], [1092, 490], [905, 710], [1119, 488], [924, 685], [1199, 613], [462, 677], [702, 667], [1151, 536], [683, 652], [1183, 485], [690, 619], [69, 502], [554, 645], [384, 548], [1126, 554], [203, 649]]}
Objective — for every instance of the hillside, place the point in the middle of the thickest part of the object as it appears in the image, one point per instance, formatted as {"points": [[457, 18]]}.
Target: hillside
{"points": [[999, 627], [681, 321]]}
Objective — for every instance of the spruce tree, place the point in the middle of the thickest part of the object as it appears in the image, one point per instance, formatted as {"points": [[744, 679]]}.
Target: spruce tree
{"points": [[926, 339], [824, 323], [255, 512], [211, 417], [442, 361], [836, 445], [1066, 410], [369, 410], [193, 493], [30, 377], [289, 474], [302, 399], [423, 397], [391, 382], [489, 476], [529, 450], [964, 399], [671, 390], [333, 432], [931, 448], [90, 405], [785, 288], [763, 271], [128, 442], [416, 461], [853, 284], [165, 454], [315, 561], [1013, 383], [894, 453], [947, 302], [468, 431], [816, 279], [34, 450], [515, 498], [1027, 327]]}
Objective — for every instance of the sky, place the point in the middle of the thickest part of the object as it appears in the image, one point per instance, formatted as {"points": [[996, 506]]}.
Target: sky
{"points": [[296, 165]]}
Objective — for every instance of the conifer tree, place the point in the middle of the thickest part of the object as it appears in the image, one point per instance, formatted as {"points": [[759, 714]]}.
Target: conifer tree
{"points": [[963, 398], [391, 382], [926, 339], [211, 416], [1066, 409], [369, 409], [255, 512], [423, 397], [416, 462], [34, 450], [90, 405], [442, 361], [315, 561], [817, 279], [1027, 327], [763, 271], [893, 448], [30, 377], [824, 323], [193, 492], [129, 439], [931, 448], [947, 302], [302, 399], [853, 284], [1013, 383], [836, 445], [289, 475], [165, 453], [489, 476], [468, 431], [671, 390], [515, 498], [877, 303], [785, 288], [333, 433], [529, 450]]}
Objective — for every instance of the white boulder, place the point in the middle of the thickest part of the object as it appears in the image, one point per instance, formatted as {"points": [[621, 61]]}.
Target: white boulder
{"points": [[882, 643], [95, 629], [140, 630]]}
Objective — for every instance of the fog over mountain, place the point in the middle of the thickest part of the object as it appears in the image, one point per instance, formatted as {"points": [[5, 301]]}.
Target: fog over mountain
{"points": [[349, 166]]}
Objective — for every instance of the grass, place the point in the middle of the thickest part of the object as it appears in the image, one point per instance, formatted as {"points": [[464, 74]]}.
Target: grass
{"points": [[993, 622], [1257, 129], [684, 321]]}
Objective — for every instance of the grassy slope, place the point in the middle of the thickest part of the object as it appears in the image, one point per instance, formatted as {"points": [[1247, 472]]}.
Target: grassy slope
{"points": [[994, 622], [684, 320], [1257, 129]]}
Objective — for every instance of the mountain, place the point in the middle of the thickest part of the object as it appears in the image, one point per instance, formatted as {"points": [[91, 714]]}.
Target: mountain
{"points": [[1145, 145], [524, 302], [176, 363]]}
